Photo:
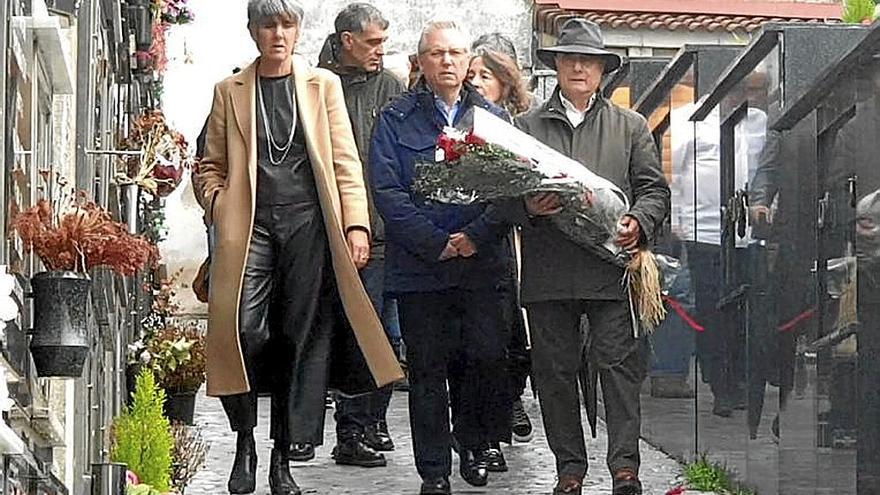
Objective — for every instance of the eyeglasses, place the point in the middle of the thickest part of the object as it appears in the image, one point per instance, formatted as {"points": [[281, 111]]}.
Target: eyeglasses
{"points": [[439, 54]]}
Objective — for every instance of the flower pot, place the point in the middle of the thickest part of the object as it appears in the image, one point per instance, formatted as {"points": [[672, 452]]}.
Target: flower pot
{"points": [[108, 478], [60, 339], [180, 406]]}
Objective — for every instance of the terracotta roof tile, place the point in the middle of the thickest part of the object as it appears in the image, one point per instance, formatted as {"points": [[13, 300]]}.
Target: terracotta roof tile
{"points": [[550, 19]]}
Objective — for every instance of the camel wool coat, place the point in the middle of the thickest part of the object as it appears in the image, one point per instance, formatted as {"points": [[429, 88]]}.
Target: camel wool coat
{"points": [[228, 174]]}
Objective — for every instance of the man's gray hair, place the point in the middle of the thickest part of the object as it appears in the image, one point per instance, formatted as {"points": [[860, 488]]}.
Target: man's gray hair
{"points": [[260, 10], [356, 17], [436, 26]]}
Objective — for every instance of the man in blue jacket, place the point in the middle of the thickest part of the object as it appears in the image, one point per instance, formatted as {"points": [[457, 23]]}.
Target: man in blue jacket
{"points": [[444, 263]]}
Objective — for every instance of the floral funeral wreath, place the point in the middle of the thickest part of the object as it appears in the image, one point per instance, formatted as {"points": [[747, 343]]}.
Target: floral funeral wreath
{"points": [[494, 161]]}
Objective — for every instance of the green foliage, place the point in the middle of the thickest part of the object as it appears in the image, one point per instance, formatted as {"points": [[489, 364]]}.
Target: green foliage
{"points": [[859, 11], [142, 489], [142, 435], [708, 476]]}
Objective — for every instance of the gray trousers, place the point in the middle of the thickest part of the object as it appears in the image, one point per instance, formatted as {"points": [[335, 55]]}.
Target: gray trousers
{"points": [[558, 353]]}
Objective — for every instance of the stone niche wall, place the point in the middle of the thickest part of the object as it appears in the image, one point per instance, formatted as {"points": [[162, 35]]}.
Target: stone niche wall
{"points": [[510, 17]]}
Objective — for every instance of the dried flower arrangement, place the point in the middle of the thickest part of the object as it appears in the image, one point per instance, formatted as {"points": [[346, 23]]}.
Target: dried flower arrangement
{"points": [[164, 155], [190, 451], [73, 233], [165, 14]]}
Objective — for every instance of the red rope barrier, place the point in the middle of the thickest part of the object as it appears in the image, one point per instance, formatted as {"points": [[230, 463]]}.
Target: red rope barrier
{"points": [[681, 312], [692, 322], [797, 320]]}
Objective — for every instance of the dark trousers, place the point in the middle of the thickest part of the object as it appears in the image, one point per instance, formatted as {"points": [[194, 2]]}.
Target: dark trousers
{"points": [[286, 319], [355, 414], [519, 361], [721, 348], [456, 335], [558, 351], [518, 364]]}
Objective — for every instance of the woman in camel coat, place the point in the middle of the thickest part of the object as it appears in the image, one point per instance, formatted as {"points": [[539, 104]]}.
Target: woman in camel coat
{"points": [[284, 191]]}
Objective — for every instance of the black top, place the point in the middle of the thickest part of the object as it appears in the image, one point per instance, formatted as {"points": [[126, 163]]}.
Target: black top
{"points": [[291, 181]]}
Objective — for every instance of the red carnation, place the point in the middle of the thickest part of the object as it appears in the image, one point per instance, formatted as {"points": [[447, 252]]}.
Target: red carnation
{"points": [[452, 148], [472, 140]]}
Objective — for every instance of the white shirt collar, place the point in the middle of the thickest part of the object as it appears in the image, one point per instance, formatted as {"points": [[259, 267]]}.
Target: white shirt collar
{"points": [[574, 115]]}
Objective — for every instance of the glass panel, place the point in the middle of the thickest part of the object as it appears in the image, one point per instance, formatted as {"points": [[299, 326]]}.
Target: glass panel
{"points": [[846, 344], [757, 338], [668, 399], [864, 346], [735, 258]]}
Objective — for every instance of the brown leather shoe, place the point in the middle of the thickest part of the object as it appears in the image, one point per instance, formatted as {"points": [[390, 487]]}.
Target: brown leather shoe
{"points": [[568, 485], [626, 482]]}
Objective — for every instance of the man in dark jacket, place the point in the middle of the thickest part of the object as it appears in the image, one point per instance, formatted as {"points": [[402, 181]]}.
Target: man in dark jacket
{"points": [[354, 52], [445, 264], [562, 282]]}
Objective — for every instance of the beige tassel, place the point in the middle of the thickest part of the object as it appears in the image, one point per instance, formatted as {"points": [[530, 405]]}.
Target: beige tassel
{"points": [[644, 275], [848, 313]]}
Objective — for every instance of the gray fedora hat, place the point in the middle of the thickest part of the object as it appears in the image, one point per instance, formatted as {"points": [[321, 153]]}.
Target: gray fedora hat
{"points": [[580, 36]]}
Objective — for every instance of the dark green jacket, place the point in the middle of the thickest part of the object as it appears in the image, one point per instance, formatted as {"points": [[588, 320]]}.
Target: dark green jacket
{"points": [[616, 144], [365, 95]]}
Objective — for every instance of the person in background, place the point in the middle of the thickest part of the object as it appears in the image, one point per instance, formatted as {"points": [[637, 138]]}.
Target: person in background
{"points": [[354, 52], [445, 264], [283, 186], [497, 77]]}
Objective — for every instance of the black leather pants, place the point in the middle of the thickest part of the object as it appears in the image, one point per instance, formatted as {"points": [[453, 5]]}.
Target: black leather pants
{"points": [[286, 323]]}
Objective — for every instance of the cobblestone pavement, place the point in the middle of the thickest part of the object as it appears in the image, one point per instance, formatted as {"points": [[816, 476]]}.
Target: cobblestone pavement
{"points": [[531, 464]]}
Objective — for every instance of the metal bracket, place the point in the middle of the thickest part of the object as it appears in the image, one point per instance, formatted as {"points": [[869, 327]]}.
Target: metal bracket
{"points": [[823, 211], [115, 152]]}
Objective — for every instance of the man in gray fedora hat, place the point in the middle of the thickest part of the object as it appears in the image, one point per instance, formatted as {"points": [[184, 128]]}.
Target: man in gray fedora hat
{"points": [[563, 283]]}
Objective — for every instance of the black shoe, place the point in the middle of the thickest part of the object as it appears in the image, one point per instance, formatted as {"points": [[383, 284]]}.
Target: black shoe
{"points": [[243, 478], [435, 486], [493, 457], [722, 408], [355, 453], [671, 387], [521, 424], [628, 487], [301, 452], [280, 480], [472, 468], [378, 439]]}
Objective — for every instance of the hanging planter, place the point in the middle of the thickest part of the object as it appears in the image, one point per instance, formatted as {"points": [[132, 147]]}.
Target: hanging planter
{"points": [[163, 157], [60, 338], [180, 407], [72, 235]]}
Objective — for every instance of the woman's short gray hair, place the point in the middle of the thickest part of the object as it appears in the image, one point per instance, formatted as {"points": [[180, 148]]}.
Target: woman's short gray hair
{"points": [[260, 10]]}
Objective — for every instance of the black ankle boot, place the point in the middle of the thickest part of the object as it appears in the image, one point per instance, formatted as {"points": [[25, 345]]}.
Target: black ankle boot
{"points": [[243, 478], [280, 480]]}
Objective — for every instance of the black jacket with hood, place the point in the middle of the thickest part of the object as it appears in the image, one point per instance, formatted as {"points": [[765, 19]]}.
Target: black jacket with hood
{"points": [[365, 95]]}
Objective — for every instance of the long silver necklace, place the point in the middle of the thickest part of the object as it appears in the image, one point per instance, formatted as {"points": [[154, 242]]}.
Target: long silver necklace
{"points": [[270, 139]]}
